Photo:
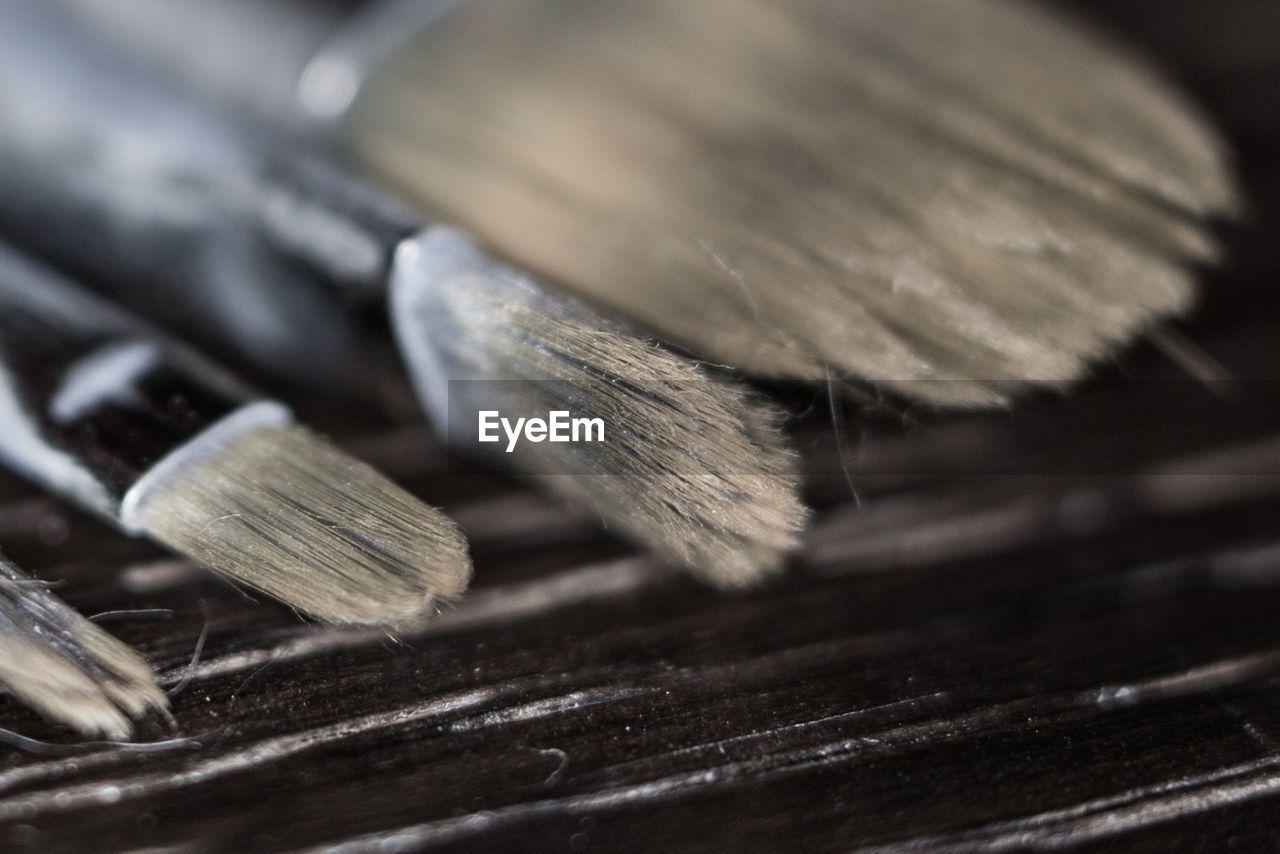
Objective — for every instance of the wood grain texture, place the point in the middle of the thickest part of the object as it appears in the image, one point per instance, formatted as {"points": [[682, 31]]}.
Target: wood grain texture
{"points": [[1054, 628]]}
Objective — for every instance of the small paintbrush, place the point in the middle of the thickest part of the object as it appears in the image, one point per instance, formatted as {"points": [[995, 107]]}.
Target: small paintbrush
{"points": [[140, 430], [113, 172], [956, 199], [65, 667]]}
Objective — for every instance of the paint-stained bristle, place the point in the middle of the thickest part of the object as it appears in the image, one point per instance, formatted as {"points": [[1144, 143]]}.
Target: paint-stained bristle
{"points": [[691, 467], [283, 511], [65, 667], [978, 192]]}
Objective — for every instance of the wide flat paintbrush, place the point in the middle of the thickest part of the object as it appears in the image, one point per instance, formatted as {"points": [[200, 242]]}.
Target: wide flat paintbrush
{"points": [[109, 170], [65, 667], [106, 412], [959, 199]]}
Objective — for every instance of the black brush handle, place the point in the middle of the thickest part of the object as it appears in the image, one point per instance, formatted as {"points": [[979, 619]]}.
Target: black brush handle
{"points": [[129, 184], [91, 398]]}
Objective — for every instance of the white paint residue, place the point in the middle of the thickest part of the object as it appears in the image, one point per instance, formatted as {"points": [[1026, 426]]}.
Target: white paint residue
{"points": [[105, 376], [26, 452]]}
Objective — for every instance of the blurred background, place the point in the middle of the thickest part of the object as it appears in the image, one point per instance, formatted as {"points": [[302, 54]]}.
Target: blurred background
{"points": [[1048, 627]]}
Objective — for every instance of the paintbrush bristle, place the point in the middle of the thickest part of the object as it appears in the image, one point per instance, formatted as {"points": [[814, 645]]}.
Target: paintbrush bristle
{"points": [[65, 667], [283, 511], [958, 198], [691, 467]]}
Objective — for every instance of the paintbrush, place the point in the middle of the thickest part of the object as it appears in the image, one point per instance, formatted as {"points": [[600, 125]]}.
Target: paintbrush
{"points": [[957, 200], [108, 169], [65, 667], [140, 430]]}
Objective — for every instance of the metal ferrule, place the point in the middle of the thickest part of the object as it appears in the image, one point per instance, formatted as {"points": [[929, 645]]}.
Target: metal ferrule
{"points": [[92, 400]]}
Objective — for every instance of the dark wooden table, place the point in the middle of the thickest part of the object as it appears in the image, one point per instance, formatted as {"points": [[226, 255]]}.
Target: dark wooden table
{"points": [[1052, 628]]}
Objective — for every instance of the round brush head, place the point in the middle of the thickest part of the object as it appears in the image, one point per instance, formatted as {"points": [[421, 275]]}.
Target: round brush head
{"points": [[956, 199]]}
